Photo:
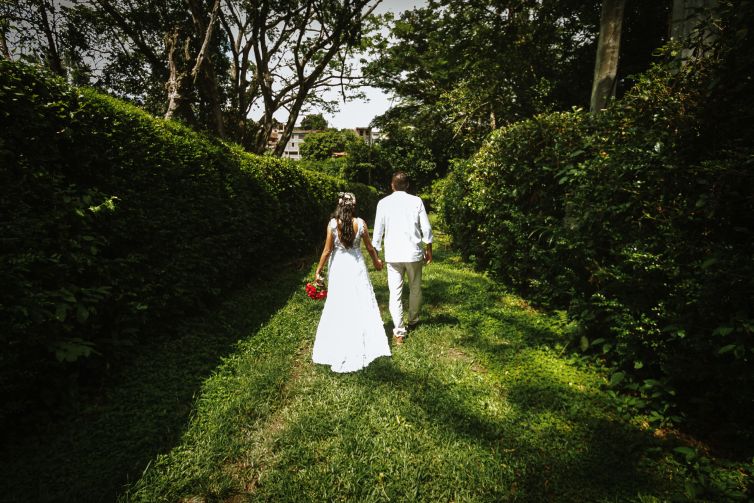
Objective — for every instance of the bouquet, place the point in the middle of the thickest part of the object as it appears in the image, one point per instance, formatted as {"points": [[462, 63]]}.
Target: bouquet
{"points": [[316, 291]]}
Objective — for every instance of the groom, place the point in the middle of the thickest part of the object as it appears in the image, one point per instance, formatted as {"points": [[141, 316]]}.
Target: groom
{"points": [[403, 221]]}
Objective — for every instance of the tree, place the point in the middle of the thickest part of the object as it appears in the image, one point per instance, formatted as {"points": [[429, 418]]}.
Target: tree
{"points": [[165, 55], [283, 53], [197, 71], [35, 29], [366, 163], [208, 62], [686, 18], [314, 122], [462, 68], [405, 149], [608, 51], [322, 145]]}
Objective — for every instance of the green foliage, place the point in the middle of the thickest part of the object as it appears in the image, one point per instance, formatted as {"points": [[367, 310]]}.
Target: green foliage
{"points": [[363, 163], [323, 144], [502, 205], [461, 68], [143, 409], [115, 223], [314, 121], [638, 221], [405, 149], [334, 166]]}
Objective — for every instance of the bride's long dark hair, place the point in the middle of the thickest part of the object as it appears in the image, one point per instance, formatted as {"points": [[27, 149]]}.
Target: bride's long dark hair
{"points": [[345, 212]]}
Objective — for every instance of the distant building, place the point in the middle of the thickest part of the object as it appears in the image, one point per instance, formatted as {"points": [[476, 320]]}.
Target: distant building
{"points": [[293, 147], [368, 134]]}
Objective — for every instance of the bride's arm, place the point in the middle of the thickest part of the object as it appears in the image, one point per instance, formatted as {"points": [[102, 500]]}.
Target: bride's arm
{"points": [[370, 248], [325, 254]]}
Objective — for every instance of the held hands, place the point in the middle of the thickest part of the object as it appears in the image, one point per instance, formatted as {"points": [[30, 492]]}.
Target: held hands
{"points": [[428, 256], [378, 264]]}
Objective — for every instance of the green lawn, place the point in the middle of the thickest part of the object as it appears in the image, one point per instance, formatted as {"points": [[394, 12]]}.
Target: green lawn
{"points": [[482, 403]]}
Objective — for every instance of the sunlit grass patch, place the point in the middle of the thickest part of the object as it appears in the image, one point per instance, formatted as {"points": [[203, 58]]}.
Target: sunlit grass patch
{"points": [[479, 404]]}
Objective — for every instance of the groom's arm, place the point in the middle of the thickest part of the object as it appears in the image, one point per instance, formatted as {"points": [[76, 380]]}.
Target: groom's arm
{"points": [[379, 228], [425, 227]]}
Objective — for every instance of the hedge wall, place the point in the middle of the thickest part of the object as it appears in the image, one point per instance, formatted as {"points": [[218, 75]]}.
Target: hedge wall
{"points": [[639, 222], [114, 221]]}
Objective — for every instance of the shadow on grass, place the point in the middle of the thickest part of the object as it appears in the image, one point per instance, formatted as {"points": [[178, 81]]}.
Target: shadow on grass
{"points": [[533, 328], [561, 450], [146, 408], [563, 441]]}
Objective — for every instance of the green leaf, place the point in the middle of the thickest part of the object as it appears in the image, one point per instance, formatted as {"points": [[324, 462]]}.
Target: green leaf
{"points": [[726, 349], [688, 452], [709, 262], [723, 330], [60, 311], [82, 313], [690, 490], [617, 378], [584, 343], [71, 350]]}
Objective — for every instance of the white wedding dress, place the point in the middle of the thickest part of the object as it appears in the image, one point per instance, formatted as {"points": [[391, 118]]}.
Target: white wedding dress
{"points": [[350, 334]]}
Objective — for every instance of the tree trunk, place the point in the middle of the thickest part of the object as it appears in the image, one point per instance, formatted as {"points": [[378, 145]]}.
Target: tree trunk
{"points": [[53, 56], [209, 89], [179, 83], [203, 72], [4, 45], [292, 118], [263, 133], [608, 49], [687, 14]]}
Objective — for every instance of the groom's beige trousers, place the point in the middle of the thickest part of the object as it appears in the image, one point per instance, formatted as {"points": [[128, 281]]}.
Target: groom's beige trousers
{"points": [[395, 273]]}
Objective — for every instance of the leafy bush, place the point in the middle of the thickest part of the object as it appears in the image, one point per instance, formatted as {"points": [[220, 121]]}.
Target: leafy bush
{"points": [[639, 222], [115, 223], [503, 206], [363, 163], [321, 145]]}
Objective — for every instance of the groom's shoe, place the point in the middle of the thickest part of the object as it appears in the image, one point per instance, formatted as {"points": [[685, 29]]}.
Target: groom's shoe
{"points": [[412, 326], [399, 334]]}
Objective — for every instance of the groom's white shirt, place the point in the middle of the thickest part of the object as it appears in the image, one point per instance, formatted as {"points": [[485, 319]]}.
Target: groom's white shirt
{"points": [[402, 220]]}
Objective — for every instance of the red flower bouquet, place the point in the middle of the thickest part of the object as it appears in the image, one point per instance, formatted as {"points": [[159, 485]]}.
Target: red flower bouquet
{"points": [[316, 291]]}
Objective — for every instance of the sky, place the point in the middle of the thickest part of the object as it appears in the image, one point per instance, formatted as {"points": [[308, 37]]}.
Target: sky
{"points": [[361, 112]]}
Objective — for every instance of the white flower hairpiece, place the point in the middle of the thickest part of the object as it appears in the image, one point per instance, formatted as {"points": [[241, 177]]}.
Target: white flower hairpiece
{"points": [[346, 199]]}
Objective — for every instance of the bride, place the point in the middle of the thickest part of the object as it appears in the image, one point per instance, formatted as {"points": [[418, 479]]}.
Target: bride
{"points": [[350, 333]]}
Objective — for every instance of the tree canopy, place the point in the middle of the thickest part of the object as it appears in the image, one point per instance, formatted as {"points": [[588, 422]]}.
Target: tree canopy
{"points": [[227, 67], [459, 69], [314, 122], [323, 144]]}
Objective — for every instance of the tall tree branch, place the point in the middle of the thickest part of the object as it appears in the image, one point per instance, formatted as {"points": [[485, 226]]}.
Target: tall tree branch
{"points": [[158, 67]]}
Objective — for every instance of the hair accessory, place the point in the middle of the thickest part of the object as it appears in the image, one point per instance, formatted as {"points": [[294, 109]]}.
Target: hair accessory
{"points": [[346, 199]]}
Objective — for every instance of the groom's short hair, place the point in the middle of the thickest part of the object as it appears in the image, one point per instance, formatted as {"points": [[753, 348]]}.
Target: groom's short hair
{"points": [[400, 180]]}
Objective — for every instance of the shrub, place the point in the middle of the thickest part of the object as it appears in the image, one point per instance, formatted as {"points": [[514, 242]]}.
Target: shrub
{"points": [[639, 222], [504, 205], [115, 224]]}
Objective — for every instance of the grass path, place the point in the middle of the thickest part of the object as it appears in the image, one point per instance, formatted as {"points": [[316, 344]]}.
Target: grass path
{"points": [[478, 405]]}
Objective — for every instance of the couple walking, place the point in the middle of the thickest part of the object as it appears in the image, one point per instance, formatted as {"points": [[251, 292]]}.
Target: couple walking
{"points": [[350, 333]]}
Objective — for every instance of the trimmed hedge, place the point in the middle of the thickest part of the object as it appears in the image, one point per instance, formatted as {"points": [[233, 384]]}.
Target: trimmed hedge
{"points": [[638, 221], [115, 224]]}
